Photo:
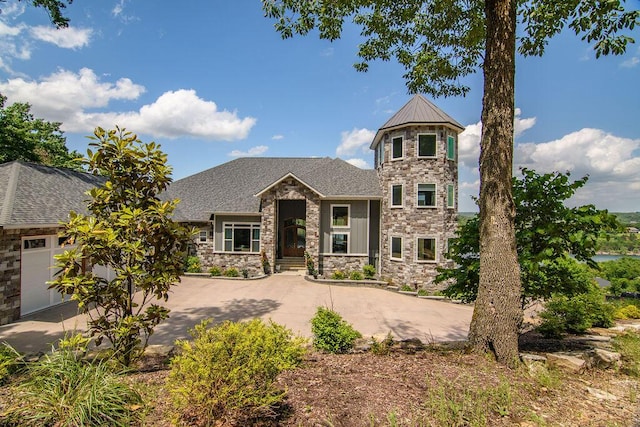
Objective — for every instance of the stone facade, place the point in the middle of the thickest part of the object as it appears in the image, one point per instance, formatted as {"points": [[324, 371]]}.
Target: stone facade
{"points": [[330, 263], [10, 253], [409, 221]]}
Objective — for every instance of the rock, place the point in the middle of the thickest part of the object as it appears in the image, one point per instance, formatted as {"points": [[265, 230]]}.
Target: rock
{"points": [[604, 359], [601, 394], [565, 361], [529, 359]]}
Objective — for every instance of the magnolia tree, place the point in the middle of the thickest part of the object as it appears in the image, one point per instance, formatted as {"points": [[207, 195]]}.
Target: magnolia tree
{"points": [[130, 232]]}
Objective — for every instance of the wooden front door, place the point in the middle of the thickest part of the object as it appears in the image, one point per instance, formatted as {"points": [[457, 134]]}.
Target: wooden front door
{"points": [[294, 237]]}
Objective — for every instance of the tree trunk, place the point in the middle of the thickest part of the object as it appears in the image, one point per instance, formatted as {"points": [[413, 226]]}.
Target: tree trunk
{"points": [[497, 315]]}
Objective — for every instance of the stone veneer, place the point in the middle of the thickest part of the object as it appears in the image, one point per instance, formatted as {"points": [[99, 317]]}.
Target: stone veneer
{"points": [[409, 221], [330, 263], [289, 189], [10, 245]]}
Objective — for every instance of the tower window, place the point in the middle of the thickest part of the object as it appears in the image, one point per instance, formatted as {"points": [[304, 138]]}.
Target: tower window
{"points": [[426, 249], [396, 248], [451, 148], [397, 147], [396, 195], [426, 195], [451, 199], [427, 145]]}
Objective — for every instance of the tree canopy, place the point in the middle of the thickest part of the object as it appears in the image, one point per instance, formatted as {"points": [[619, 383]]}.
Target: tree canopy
{"points": [[552, 239], [55, 9], [24, 137]]}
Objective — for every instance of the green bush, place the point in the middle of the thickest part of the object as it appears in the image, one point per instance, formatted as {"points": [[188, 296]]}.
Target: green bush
{"points": [[192, 265], [62, 390], [627, 312], [228, 372], [10, 361], [245, 273], [231, 272], [215, 271], [575, 314], [407, 288], [356, 275], [382, 348], [339, 275], [369, 271], [331, 333]]}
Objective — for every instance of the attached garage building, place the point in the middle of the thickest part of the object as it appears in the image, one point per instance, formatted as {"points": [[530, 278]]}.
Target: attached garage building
{"points": [[35, 200]]}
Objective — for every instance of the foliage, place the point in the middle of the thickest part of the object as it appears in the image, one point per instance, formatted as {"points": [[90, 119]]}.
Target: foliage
{"points": [[192, 264], [331, 333], [54, 8], [215, 271], [231, 272], [62, 390], [382, 348], [407, 288], [129, 231], [628, 219], [575, 314], [10, 362], [339, 275], [311, 266], [245, 273], [551, 238], [356, 275], [620, 243], [228, 372], [627, 312], [628, 345], [623, 273], [266, 266], [369, 271], [24, 137]]}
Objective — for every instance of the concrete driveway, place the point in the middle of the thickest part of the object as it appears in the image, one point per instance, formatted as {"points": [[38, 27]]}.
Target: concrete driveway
{"points": [[286, 299]]}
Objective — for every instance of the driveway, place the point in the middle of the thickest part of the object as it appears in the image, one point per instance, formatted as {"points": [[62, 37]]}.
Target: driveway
{"points": [[286, 299]]}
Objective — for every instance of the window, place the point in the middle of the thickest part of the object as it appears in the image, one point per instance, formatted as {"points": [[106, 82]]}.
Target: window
{"points": [[396, 248], [426, 195], [380, 153], [396, 195], [451, 147], [339, 243], [451, 199], [427, 145], [39, 243], [242, 238], [426, 249], [202, 237], [340, 215], [397, 149]]}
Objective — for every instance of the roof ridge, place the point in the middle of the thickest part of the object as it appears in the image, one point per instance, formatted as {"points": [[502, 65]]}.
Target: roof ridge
{"points": [[9, 196]]}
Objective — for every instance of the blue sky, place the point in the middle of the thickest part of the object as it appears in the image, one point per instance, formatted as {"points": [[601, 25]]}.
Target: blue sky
{"points": [[211, 80]]}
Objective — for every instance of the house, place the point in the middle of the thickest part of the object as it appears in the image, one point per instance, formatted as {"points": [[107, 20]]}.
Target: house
{"points": [[35, 199], [398, 216]]}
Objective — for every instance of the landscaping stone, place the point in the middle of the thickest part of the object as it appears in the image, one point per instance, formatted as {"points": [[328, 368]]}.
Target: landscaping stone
{"points": [[601, 394], [604, 359], [566, 361]]}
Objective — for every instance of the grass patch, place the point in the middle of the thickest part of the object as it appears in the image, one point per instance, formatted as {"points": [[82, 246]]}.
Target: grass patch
{"points": [[628, 345]]}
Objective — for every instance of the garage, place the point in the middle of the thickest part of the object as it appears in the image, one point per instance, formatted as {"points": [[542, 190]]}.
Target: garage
{"points": [[36, 269]]}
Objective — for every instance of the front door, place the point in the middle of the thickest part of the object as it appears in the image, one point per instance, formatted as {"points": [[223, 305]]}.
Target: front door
{"points": [[294, 237]]}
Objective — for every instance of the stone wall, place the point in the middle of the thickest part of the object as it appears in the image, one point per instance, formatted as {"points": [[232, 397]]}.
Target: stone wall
{"points": [[410, 221], [10, 241], [330, 263]]}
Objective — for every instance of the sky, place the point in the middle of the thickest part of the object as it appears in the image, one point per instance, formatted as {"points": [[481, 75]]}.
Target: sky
{"points": [[212, 80]]}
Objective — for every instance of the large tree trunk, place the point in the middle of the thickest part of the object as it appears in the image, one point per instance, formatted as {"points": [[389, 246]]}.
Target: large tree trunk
{"points": [[497, 315]]}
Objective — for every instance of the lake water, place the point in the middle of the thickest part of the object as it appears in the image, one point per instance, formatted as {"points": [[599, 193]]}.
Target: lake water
{"points": [[602, 258]]}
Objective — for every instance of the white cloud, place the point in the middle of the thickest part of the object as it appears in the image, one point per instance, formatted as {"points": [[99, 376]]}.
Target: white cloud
{"points": [[521, 125], [68, 38], [6, 30], [251, 152], [66, 97], [359, 163], [327, 52], [631, 62], [277, 137], [354, 140]]}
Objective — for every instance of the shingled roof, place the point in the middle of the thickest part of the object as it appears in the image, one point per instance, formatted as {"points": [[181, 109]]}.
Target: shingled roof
{"points": [[233, 187], [38, 195], [418, 110]]}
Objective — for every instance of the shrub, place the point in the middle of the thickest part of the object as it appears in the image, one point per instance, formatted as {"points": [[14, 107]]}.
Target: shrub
{"points": [[231, 272], [215, 271], [62, 390], [422, 292], [10, 361], [627, 312], [192, 265], [355, 275], [266, 266], [369, 271], [228, 372], [382, 348], [407, 288], [245, 273], [311, 266], [576, 314], [339, 275], [331, 333]]}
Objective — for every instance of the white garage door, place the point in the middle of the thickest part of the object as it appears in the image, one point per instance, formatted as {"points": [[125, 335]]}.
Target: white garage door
{"points": [[36, 269]]}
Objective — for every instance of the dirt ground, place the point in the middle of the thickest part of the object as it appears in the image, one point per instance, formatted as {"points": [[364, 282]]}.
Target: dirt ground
{"points": [[434, 388]]}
